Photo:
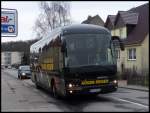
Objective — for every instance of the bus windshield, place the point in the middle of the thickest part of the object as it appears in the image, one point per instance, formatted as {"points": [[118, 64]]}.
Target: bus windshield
{"points": [[89, 49]]}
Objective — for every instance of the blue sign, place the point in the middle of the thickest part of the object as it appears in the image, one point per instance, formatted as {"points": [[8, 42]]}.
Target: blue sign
{"points": [[8, 28], [9, 22]]}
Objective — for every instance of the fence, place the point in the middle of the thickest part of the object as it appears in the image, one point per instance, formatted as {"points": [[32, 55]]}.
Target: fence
{"points": [[134, 78], [138, 80]]}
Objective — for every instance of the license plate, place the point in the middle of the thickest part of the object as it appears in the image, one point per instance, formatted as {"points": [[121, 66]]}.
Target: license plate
{"points": [[90, 82], [101, 81], [95, 90]]}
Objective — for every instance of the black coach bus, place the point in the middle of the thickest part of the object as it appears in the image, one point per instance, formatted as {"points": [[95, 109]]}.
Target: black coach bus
{"points": [[76, 59]]}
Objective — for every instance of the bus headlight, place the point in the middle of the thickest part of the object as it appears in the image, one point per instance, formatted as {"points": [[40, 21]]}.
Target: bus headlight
{"points": [[115, 81], [70, 91], [70, 85]]}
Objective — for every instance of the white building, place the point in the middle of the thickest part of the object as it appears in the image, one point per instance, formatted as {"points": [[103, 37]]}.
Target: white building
{"points": [[10, 58]]}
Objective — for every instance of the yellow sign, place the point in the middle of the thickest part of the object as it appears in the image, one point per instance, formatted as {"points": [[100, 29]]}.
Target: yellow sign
{"points": [[87, 82], [101, 81], [90, 82]]}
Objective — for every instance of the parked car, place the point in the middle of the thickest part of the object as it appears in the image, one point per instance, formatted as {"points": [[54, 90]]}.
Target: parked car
{"points": [[9, 67], [24, 71]]}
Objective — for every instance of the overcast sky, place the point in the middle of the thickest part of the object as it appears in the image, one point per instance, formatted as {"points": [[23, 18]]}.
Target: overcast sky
{"points": [[28, 12]]}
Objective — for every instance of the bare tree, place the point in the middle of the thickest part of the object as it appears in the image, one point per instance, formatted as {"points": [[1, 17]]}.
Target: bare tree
{"points": [[53, 15], [40, 26]]}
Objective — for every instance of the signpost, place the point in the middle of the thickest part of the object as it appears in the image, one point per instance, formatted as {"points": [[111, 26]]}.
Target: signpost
{"points": [[9, 22]]}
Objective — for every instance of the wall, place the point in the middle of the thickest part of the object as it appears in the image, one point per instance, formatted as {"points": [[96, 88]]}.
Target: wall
{"points": [[136, 64], [122, 32], [142, 58], [145, 55], [16, 58], [6, 58]]}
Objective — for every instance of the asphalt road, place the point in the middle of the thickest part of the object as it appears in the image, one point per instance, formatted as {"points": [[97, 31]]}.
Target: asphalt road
{"points": [[22, 95]]}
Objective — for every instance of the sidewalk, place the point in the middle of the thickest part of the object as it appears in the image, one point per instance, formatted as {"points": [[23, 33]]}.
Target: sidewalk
{"points": [[123, 84], [18, 96]]}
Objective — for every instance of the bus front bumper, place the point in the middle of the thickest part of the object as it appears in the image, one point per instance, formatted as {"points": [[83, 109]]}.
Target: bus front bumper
{"points": [[95, 89]]}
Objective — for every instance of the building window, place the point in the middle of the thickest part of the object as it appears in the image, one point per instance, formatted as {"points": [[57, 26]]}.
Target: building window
{"points": [[7, 54], [132, 54]]}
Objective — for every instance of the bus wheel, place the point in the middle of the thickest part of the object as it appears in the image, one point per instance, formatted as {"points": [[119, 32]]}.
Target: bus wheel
{"points": [[37, 86], [36, 83]]}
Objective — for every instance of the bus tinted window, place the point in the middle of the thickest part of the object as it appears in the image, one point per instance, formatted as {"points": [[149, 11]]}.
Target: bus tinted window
{"points": [[88, 49]]}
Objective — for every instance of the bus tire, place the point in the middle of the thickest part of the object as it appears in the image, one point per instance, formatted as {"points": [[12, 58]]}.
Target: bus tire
{"points": [[36, 83], [37, 86]]}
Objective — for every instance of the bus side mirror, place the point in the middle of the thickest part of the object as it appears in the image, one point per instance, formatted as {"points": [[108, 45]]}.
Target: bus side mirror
{"points": [[63, 48], [114, 38]]}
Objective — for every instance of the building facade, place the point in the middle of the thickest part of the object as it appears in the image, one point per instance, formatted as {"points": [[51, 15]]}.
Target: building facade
{"points": [[132, 27], [11, 58]]}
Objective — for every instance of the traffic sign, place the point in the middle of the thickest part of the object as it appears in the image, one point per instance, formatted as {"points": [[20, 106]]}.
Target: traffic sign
{"points": [[9, 22]]}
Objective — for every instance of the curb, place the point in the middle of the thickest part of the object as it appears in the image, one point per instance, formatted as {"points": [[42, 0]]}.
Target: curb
{"points": [[147, 90]]}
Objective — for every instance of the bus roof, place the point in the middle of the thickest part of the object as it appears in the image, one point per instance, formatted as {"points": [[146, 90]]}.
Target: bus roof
{"points": [[84, 28], [72, 29]]}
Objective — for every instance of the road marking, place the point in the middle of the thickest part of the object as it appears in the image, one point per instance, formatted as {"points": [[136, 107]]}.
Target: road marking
{"points": [[132, 102]]}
